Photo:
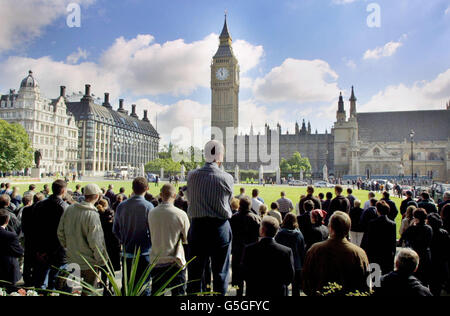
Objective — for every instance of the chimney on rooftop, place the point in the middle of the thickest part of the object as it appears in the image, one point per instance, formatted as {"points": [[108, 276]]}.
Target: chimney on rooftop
{"points": [[133, 111], [145, 119], [106, 102], [62, 92]]}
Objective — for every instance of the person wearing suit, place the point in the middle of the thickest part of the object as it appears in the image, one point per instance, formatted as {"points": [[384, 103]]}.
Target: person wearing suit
{"points": [[393, 211], [245, 228], [339, 203], [382, 239], [10, 251], [257, 257]]}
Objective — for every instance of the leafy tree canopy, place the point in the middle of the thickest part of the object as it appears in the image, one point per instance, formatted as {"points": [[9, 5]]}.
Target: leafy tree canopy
{"points": [[16, 152]]}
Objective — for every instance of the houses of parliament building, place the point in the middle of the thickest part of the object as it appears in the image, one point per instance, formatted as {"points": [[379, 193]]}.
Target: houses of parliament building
{"points": [[358, 145]]}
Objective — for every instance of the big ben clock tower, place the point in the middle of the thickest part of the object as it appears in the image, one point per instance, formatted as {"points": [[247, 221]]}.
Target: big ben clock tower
{"points": [[225, 86]]}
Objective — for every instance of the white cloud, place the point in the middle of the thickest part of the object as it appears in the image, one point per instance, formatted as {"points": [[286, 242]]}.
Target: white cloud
{"points": [[349, 63], [298, 81], [51, 74], [422, 95], [24, 20], [138, 67], [387, 50], [447, 11], [76, 56]]}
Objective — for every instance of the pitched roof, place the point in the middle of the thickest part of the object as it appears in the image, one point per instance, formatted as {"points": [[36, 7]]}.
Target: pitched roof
{"points": [[84, 109], [431, 125]]}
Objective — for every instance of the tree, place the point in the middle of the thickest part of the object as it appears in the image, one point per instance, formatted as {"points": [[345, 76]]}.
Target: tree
{"points": [[284, 166], [16, 152], [295, 163]]}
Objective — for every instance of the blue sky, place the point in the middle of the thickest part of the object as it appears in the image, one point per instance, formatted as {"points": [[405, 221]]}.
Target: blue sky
{"points": [[322, 46]]}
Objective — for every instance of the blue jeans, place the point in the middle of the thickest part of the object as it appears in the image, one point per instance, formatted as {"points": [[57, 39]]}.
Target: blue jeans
{"points": [[209, 238]]}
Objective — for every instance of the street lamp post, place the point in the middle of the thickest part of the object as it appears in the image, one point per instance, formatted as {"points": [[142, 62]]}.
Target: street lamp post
{"points": [[411, 135]]}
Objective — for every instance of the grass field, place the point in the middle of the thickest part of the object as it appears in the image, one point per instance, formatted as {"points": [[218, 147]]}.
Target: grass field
{"points": [[268, 193]]}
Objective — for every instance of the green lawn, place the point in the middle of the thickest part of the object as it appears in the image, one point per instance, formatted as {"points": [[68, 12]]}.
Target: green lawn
{"points": [[268, 193]]}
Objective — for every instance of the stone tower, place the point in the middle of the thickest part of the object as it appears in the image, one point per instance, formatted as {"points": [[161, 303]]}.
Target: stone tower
{"points": [[225, 88]]}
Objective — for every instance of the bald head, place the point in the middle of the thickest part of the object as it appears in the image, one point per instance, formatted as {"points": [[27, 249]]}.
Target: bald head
{"points": [[168, 193]]}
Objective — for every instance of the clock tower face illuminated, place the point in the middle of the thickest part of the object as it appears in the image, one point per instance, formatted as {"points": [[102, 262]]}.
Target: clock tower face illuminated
{"points": [[225, 87]]}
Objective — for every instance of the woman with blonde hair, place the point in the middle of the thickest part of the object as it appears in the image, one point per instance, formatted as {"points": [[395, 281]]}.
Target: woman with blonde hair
{"points": [[408, 219]]}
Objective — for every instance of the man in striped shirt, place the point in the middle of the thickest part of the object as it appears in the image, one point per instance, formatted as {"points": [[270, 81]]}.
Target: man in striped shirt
{"points": [[285, 205], [209, 192]]}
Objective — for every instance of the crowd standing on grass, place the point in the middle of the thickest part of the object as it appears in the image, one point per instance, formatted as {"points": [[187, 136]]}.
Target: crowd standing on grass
{"points": [[197, 236]]}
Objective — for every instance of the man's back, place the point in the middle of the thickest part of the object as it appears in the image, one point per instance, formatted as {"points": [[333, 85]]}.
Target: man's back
{"points": [[268, 268], [169, 228], [428, 206], [285, 205], [393, 211], [339, 203], [131, 225], [80, 232], [209, 192], [381, 242], [396, 284], [46, 216], [10, 250], [335, 261]]}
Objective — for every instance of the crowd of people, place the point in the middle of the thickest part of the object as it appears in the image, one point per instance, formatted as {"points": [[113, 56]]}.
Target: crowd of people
{"points": [[262, 251]]}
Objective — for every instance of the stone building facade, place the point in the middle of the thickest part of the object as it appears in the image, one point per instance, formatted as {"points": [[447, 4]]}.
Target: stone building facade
{"points": [[77, 134], [379, 144], [50, 125], [359, 145], [111, 139]]}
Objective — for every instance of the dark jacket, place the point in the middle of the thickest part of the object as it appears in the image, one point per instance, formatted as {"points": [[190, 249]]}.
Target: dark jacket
{"points": [[428, 206], [10, 250], [440, 255], [319, 233], [441, 205], [293, 239], [305, 226], [111, 242], [268, 268], [351, 198], [326, 205], [367, 216], [396, 284], [419, 238], [393, 212], [404, 205], [339, 203], [14, 224], [245, 229], [355, 216], [45, 219], [381, 243], [111, 196], [317, 204]]}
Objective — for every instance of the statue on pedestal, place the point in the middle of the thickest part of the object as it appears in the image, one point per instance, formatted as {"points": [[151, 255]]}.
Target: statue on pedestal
{"points": [[37, 158]]}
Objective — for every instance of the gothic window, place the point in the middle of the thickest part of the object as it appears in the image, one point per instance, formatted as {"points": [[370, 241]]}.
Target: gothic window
{"points": [[376, 152]]}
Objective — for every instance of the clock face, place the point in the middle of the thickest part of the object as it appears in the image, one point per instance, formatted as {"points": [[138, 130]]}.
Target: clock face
{"points": [[222, 73]]}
